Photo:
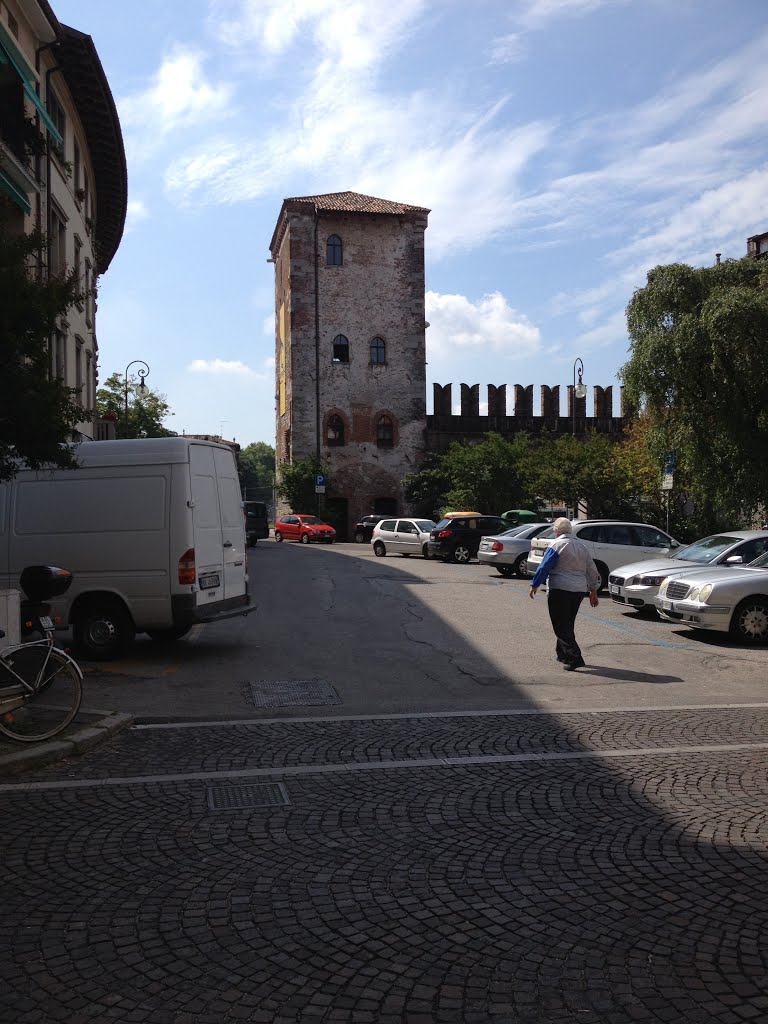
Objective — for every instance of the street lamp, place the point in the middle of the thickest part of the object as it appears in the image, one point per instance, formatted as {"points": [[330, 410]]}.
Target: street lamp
{"points": [[142, 386], [579, 390]]}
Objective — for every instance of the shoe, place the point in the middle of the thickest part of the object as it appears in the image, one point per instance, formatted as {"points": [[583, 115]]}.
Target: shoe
{"points": [[571, 666]]}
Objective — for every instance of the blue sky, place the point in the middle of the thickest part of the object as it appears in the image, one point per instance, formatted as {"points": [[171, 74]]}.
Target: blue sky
{"points": [[563, 146]]}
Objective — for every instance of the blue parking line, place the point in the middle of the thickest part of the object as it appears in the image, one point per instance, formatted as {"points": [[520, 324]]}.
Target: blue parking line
{"points": [[634, 632]]}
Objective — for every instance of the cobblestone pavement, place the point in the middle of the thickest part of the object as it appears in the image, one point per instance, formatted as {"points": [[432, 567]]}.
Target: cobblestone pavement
{"points": [[606, 867]]}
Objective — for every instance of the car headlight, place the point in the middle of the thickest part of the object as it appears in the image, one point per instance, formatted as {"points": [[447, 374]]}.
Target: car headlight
{"points": [[649, 581], [704, 593], [663, 588]]}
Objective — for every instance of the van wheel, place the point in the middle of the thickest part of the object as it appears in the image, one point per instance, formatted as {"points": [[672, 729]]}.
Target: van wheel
{"points": [[167, 636], [278, 536], [603, 570], [379, 550], [102, 631]]}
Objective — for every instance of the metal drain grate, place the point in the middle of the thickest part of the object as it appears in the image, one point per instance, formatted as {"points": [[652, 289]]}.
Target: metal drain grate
{"points": [[283, 693], [247, 796]]}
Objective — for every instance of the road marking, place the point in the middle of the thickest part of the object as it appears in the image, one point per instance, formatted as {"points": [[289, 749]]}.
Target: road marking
{"points": [[368, 766], [418, 715], [636, 632]]}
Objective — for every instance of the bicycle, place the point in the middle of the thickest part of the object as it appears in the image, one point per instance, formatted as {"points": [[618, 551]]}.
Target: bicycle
{"points": [[40, 685]]}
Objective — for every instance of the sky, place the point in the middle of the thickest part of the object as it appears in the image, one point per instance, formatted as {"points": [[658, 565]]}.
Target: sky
{"points": [[564, 148]]}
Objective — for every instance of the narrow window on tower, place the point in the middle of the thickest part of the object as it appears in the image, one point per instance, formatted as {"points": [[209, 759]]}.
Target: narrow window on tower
{"points": [[378, 351], [335, 431], [340, 349], [384, 432], [333, 251]]}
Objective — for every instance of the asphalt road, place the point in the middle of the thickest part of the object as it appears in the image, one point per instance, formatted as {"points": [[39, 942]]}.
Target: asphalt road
{"points": [[378, 800], [398, 634]]}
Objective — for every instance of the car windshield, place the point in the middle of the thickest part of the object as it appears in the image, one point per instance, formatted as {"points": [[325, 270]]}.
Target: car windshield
{"points": [[425, 525], [547, 534], [761, 562], [514, 532], [706, 550], [442, 524]]}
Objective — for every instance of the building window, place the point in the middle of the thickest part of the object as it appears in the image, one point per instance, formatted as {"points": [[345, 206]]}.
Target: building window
{"points": [[77, 269], [60, 356], [79, 368], [13, 25], [385, 434], [77, 168], [88, 289], [59, 119], [378, 351], [58, 244], [340, 349], [333, 251], [335, 432], [89, 381]]}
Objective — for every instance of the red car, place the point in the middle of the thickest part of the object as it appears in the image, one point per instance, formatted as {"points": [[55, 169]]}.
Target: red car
{"points": [[305, 529]]}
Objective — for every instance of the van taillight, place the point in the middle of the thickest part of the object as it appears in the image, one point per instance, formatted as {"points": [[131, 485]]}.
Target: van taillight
{"points": [[187, 567]]}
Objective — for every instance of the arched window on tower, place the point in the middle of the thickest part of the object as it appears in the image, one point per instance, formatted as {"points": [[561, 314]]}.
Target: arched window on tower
{"points": [[334, 256], [340, 349], [385, 433], [335, 435], [378, 351]]}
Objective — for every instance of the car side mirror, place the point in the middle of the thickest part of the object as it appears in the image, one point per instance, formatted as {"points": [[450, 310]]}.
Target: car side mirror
{"points": [[734, 560]]}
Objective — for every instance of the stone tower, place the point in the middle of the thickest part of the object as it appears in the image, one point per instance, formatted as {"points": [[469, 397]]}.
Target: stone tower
{"points": [[350, 347]]}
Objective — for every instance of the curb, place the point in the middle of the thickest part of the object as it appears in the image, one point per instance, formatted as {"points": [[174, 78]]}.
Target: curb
{"points": [[85, 736]]}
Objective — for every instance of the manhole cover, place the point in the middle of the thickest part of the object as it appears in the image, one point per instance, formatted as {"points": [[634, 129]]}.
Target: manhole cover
{"points": [[239, 797], [284, 693]]}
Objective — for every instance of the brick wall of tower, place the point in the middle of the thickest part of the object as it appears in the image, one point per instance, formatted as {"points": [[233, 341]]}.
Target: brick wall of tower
{"points": [[377, 291]]}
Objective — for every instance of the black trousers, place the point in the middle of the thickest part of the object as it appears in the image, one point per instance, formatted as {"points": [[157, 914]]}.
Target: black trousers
{"points": [[563, 608]]}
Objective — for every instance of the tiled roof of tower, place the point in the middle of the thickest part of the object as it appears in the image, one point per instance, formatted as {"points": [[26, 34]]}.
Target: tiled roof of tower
{"points": [[354, 202]]}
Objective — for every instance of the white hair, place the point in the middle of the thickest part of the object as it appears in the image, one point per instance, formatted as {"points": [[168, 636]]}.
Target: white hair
{"points": [[562, 525]]}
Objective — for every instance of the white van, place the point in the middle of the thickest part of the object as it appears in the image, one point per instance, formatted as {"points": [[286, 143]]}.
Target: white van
{"points": [[152, 531]]}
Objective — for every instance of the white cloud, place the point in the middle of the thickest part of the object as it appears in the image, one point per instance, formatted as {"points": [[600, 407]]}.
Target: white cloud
{"points": [[536, 14], [490, 324], [136, 212], [178, 96], [224, 367]]}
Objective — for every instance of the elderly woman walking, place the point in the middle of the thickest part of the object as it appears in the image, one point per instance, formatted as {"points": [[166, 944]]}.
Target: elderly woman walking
{"points": [[572, 574]]}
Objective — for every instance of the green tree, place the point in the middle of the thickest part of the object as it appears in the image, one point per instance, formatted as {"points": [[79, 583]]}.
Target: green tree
{"points": [[146, 408], [38, 414], [257, 466], [571, 470], [489, 477], [699, 348], [297, 483]]}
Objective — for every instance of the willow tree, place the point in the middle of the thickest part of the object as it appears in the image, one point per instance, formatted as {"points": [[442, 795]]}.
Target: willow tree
{"points": [[697, 367]]}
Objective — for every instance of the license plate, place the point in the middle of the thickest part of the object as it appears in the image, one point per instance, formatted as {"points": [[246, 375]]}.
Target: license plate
{"points": [[613, 588], [208, 581], [46, 622]]}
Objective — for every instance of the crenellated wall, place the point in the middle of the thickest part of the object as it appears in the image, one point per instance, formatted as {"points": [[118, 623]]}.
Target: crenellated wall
{"points": [[443, 427]]}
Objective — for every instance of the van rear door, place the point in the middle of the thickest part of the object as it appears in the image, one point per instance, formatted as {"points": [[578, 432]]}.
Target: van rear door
{"points": [[232, 523], [206, 520]]}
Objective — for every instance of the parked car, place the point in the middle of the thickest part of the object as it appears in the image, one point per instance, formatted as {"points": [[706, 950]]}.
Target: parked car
{"points": [[637, 584], [728, 599], [404, 536], [364, 528], [610, 542], [256, 521], [508, 552], [304, 528], [457, 536]]}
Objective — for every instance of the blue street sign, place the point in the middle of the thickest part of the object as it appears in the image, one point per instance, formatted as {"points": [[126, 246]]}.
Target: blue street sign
{"points": [[319, 479]]}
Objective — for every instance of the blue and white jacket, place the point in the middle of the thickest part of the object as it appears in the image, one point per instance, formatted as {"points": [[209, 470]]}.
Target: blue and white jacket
{"points": [[568, 565]]}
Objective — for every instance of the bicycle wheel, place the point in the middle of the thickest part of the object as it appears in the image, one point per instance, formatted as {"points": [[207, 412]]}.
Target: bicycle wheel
{"points": [[54, 699]]}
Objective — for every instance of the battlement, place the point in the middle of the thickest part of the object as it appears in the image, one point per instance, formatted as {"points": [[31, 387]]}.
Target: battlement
{"points": [[443, 426]]}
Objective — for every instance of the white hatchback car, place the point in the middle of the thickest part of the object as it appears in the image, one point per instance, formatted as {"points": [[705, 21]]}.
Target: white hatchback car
{"points": [[732, 600], [611, 543], [402, 536], [637, 584]]}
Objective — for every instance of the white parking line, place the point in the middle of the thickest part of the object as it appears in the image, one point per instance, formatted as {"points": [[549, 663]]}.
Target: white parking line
{"points": [[368, 766]]}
